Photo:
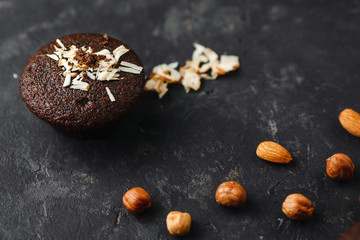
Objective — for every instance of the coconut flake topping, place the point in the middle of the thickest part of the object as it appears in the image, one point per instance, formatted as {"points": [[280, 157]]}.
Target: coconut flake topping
{"points": [[80, 64], [204, 60], [111, 96], [131, 65]]}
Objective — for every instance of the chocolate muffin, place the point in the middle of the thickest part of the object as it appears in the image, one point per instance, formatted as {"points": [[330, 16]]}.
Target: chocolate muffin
{"points": [[82, 82]]}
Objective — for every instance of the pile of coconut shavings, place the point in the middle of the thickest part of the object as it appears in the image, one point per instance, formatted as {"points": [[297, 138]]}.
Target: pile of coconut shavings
{"points": [[101, 66], [203, 60]]}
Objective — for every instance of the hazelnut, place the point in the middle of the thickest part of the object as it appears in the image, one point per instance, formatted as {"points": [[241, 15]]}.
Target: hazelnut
{"points": [[297, 207], [178, 223], [230, 194], [136, 200], [340, 167], [352, 233]]}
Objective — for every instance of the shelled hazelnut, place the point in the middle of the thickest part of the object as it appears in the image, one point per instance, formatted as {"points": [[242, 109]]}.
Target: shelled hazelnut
{"points": [[136, 200], [297, 207], [340, 167], [178, 223], [230, 194]]}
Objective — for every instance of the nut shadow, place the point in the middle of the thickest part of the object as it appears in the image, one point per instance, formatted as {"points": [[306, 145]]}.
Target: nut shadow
{"points": [[150, 214]]}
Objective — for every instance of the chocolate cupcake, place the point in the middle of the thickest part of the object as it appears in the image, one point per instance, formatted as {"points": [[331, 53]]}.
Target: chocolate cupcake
{"points": [[81, 83]]}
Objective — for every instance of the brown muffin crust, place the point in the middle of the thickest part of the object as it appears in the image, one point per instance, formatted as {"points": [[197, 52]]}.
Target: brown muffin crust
{"points": [[41, 87]]}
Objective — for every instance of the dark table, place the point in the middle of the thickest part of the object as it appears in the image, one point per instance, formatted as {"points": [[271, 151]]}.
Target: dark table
{"points": [[299, 69]]}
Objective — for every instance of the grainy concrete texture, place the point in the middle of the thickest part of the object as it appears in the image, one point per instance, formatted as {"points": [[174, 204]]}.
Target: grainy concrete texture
{"points": [[299, 69]]}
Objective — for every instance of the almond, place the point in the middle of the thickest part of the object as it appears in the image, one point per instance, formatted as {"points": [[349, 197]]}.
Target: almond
{"points": [[273, 152], [350, 120]]}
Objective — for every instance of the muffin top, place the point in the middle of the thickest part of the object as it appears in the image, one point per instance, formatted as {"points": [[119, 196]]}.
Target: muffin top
{"points": [[82, 81]]}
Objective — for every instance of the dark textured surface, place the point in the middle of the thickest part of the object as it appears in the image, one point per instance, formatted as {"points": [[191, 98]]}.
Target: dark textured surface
{"points": [[299, 69], [352, 233], [41, 87]]}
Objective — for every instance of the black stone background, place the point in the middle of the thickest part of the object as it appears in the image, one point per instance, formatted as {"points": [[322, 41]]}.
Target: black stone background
{"points": [[299, 69]]}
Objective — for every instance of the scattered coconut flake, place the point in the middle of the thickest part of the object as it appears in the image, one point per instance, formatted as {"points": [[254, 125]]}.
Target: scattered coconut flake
{"points": [[104, 52], [204, 60], [119, 51], [80, 85], [111, 96], [72, 74], [213, 76], [59, 54], [53, 56], [131, 65], [166, 72], [90, 50], [77, 78], [67, 81], [129, 70], [210, 54], [229, 63], [111, 74], [158, 86], [199, 49], [103, 75], [90, 75], [191, 80], [60, 44], [173, 65], [15, 76], [204, 68]]}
